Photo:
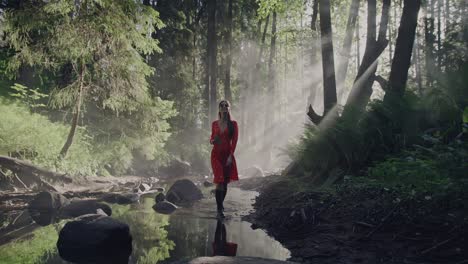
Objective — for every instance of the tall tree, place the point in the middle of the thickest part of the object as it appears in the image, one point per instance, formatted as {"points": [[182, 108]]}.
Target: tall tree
{"points": [[313, 53], [328, 63], [429, 39], [228, 46], [103, 52], [362, 87], [269, 105], [212, 67], [403, 49], [346, 50], [439, 34]]}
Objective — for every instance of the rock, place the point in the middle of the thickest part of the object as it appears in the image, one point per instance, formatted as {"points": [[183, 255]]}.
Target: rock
{"points": [[142, 187], [83, 207], [129, 184], [176, 168], [48, 201], [43, 218], [159, 189], [207, 183], [121, 198], [95, 239], [153, 180], [252, 172], [165, 207], [160, 197], [183, 192]]}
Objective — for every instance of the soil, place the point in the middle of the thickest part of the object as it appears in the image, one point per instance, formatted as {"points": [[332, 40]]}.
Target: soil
{"points": [[361, 224]]}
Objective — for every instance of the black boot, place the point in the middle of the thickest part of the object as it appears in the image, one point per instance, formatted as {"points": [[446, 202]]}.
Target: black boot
{"points": [[224, 192], [219, 203]]}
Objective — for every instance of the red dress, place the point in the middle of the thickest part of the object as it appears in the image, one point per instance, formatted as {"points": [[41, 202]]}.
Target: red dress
{"points": [[221, 152]]}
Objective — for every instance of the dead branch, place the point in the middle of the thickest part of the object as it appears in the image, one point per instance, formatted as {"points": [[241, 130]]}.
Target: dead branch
{"points": [[314, 117], [436, 246]]}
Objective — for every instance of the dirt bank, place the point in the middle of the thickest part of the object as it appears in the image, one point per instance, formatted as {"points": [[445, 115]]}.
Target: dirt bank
{"points": [[362, 224]]}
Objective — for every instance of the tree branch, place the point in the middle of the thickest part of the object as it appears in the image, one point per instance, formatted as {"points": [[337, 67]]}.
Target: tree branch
{"points": [[383, 83], [314, 117]]}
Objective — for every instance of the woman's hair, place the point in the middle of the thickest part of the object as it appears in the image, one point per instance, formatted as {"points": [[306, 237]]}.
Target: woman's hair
{"points": [[229, 121]]}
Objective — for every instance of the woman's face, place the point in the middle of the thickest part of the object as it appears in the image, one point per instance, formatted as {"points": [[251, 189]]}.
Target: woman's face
{"points": [[223, 107]]}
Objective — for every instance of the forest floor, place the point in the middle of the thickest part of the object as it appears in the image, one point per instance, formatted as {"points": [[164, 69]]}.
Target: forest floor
{"points": [[361, 223]]}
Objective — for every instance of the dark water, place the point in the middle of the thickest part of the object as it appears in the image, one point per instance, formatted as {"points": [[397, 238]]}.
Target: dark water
{"points": [[157, 238]]}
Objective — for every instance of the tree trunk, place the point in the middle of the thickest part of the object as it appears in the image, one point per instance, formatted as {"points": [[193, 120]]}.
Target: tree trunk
{"points": [[403, 49], [228, 45], [272, 68], [429, 39], [362, 87], [347, 42], [390, 36], [418, 65], [358, 45], [313, 54], [439, 32], [271, 103], [76, 116], [447, 18], [328, 62], [212, 61]]}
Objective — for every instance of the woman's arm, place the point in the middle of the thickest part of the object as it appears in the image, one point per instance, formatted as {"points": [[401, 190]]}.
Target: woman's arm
{"points": [[234, 137], [212, 134]]}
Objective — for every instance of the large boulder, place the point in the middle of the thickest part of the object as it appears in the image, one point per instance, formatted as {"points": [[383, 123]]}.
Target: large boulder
{"points": [[176, 168], [121, 198], [159, 197], [165, 207], [183, 192], [48, 201], [43, 218], [83, 207], [95, 239], [252, 172]]}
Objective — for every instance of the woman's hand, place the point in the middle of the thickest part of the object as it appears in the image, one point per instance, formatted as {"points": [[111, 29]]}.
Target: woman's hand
{"points": [[216, 140], [229, 161]]}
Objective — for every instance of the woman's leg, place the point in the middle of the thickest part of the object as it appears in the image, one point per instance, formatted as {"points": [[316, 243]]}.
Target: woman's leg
{"points": [[226, 173], [219, 196]]}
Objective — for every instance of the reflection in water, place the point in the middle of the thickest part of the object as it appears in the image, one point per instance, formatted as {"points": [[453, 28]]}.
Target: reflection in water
{"points": [[220, 245], [148, 229], [194, 237], [157, 238], [37, 247]]}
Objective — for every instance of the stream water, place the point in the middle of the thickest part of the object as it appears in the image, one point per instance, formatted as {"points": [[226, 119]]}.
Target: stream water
{"points": [[157, 238]]}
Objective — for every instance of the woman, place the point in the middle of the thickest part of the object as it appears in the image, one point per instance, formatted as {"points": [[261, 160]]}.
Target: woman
{"points": [[220, 245], [224, 133]]}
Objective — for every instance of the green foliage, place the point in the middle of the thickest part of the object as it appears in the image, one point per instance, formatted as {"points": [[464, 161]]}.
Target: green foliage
{"points": [[424, 168], [141, 134], [32, 250], [32, 97], [97, 43], [356, 140], [148, 229], [190, 145], [32, 136]]}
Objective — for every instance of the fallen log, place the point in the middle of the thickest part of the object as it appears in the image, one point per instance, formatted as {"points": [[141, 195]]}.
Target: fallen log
{"points": [[29, 175], [21, 166]]}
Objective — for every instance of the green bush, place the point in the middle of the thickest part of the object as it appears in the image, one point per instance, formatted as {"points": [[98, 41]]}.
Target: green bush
{"points": [[354, 140], [32, 136]]}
